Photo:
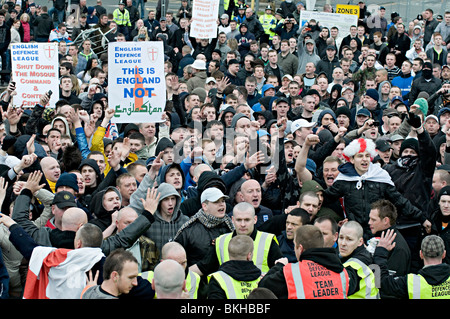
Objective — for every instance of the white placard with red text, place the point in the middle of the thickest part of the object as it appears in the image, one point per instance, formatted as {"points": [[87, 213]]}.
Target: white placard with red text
{"points": [[204, 19], [35, 69]]}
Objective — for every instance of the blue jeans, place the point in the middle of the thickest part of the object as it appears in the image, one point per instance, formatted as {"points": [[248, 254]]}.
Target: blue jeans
{"points": [[137, 3], [59, 16]]}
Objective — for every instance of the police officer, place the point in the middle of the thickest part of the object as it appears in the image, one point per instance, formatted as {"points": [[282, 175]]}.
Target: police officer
{"points": [[269, 23], [237, 277], [319, 274], [266, 248], [354, 254], [173, 250], [431, 282]]}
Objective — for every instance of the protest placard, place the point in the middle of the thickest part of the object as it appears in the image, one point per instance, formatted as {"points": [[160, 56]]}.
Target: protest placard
{"points": [[35, 71], [204, 19], [136, 82]]}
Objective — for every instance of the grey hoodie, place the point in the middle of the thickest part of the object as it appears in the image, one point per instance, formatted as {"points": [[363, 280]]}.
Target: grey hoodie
{"points": [[162, 231], [304, 57]]}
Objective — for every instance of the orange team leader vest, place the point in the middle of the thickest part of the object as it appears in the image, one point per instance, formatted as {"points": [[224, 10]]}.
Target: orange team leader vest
{"points": [[309, 280]]}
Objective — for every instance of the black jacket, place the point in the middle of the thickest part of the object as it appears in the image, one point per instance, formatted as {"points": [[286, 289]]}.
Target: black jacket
{"points": [[327, 66], [358, 201], [414, 182], [197, 239], [44, 25], [420, 84]]}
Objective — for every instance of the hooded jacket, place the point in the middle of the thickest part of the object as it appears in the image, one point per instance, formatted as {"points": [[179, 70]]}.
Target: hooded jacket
{"points": [[102, 217], [414, 182], [304, 57], [162, 231]]}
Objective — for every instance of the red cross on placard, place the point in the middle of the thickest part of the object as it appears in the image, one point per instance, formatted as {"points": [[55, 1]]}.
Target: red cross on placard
{"points": [[50, 49], [153, 52]]}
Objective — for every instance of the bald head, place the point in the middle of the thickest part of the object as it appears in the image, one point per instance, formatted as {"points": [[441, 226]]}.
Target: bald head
{"points": [[50, 168], [175, 251], [169, 279], [125, 217], [199, 170], [73, 219], [251, 192]]}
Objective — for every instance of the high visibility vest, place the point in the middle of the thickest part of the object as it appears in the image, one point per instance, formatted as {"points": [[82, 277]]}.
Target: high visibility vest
{"points": [[226, 4], [192, 282], [268, 21], [309, 280], [367, 290], [233, 288], [122, 18], [419, 288], [261, 249]]}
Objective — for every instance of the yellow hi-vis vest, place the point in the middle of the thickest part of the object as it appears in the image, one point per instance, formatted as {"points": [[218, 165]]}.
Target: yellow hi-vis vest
{"points": [[419, 288], [268, 21], [367, 290], [122, 18], [192, 282], [261, 249], [234, 289]]}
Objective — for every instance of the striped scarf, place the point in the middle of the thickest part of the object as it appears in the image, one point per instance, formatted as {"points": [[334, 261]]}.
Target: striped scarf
{"points": [[207, 220]]}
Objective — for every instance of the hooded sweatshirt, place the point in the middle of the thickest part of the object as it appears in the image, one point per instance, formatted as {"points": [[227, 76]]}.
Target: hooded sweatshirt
{"points": [[163, 231], [102, 217]]}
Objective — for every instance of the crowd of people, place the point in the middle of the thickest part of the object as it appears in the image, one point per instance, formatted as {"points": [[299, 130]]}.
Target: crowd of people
{"points": [[287, 163]]}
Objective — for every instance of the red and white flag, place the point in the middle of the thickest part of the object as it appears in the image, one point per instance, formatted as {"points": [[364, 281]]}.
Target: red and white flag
{"points": [[59, 273]]}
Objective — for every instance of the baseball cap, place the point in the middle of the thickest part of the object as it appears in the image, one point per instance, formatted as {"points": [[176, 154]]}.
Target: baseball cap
{"points": [[363, 112], [64, 199], [382, 145], [282, 99], [432, 246], [210, 79], [301, 123], [432, 116], [212, 194]]}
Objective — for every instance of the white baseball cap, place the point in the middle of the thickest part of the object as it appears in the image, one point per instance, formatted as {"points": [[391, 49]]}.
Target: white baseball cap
{"points": [[301, 123], [212, 194]]}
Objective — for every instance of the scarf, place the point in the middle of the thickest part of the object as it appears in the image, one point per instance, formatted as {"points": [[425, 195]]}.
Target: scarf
{"points": [[207, 220], [374, 174], [408, 162]]}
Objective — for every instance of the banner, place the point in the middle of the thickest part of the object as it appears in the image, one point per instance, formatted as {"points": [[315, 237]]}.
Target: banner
{"points": [[136, 82], [204, 19], [329, 20], [35, 70]]}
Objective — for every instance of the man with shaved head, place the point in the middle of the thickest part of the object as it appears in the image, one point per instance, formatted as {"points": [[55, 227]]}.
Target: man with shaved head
{"points": [[251, 193], [169, 281], [52, 171]]}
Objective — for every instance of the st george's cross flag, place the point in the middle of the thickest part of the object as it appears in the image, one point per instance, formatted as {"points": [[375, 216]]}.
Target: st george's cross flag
{"points": [[59, 273]]}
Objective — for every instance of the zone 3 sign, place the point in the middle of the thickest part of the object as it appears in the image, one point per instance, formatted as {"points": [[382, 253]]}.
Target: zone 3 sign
{"points": [[347, 9]]}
